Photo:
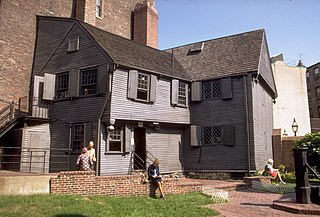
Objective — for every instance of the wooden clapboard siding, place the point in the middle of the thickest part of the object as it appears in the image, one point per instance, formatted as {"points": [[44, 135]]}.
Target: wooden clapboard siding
{"points": [[219, 112], [262, 125], [166, 144], [159, 111], [49, 36], [40, 160], [111, 164], [88, 55]]}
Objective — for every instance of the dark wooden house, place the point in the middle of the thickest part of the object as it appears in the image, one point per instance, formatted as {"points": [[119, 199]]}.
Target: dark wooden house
{"points": [[231, 103], [200, 107], [96, 82]]}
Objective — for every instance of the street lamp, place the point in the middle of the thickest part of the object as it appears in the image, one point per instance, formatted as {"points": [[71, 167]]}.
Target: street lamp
{"points": [[294, 127]]}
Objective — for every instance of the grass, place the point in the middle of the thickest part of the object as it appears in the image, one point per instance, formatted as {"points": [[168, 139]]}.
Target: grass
{"points": [[79, 206]]}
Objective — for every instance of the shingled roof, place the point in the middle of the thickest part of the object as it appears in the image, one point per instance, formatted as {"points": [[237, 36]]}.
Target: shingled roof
{"points": [[128, 53], [227, 56]]}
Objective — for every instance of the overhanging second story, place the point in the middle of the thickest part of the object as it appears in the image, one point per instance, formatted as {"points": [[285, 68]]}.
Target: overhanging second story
{"points": [[75, 62]]}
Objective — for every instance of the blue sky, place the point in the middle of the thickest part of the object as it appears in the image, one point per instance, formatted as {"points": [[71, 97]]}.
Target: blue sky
{"points": [[292, 26]]}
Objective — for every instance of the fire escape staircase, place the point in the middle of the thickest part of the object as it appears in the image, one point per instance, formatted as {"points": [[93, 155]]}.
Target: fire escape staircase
{"points": [[10, 115]]}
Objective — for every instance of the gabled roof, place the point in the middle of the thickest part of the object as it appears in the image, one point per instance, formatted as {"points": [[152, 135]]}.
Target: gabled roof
{"points": [[128, 53], [236, 54]]}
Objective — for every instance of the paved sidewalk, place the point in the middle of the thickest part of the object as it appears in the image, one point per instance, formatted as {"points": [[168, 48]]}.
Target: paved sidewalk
{"points": [[251, 203]]}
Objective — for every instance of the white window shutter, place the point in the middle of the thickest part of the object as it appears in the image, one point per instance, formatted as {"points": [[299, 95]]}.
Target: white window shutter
{"points": [[153, 87], [132, 84], [49, 86], [174, 92]]}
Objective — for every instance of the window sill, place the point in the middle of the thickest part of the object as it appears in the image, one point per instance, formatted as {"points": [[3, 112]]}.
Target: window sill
{"points": [[142, 101], [98, 17], [116, 153]]}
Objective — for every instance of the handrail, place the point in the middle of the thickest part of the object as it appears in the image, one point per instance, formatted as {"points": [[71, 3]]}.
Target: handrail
{"points": [[312, 170]]}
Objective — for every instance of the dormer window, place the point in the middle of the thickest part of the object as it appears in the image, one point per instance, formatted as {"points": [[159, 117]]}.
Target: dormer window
{"points": [[197, 47]]}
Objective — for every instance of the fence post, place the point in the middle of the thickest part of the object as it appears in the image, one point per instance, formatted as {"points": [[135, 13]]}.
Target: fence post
{"points": [[44, 161], [30, 162], [302, 182]]}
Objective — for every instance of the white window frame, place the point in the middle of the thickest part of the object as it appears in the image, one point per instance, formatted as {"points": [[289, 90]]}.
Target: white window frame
{"points": [[120, 131], [316, 73], [147, 89], [99, 8], [182, 95]]}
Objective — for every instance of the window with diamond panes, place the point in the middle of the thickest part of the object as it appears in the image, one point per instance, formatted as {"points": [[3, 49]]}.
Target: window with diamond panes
{"points": [[182, 94], [115, 140], [212, 90], [143, 87], [211, 135], [77, 137], [62, 85], [88, 84]]}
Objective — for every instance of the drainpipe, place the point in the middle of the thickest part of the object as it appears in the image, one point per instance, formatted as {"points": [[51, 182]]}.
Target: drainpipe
{"points": [[246, 110], [106, 99]]}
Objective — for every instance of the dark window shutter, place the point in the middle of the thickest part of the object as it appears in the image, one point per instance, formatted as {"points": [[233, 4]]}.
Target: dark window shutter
{"points": [[153, 87], [88, 134], [49, 86], [74, 80], [174, 92], [226, 88], [102, 79], [132, 84], [195, 133], [196, 94], [228, 135]]}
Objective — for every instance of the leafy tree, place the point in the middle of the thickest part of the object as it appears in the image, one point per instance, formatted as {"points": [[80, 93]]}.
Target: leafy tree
{"points": [[312, 142]]}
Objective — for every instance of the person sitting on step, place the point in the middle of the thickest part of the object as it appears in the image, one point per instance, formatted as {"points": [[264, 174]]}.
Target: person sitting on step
{"points": [[154, 176], [270, 171]]}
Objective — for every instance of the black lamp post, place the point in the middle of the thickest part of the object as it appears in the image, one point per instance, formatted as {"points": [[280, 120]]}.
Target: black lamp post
{"points": [[294, 127]]}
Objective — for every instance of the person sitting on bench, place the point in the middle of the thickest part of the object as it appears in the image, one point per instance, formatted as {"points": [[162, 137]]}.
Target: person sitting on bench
{"points": [[270, 171], [154, 176]]}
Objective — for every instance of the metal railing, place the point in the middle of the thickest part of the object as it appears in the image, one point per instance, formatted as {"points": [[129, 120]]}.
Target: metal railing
{"points": [[36, 160], [313, 171], [139, 163], [13, 111]]}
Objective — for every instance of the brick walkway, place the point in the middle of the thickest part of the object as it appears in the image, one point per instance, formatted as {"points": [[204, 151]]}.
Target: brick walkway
{"points": [[251, 203]]}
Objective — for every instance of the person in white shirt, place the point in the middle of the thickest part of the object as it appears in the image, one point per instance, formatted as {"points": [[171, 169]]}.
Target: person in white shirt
{"points": [[92, 153], [269, 170]]}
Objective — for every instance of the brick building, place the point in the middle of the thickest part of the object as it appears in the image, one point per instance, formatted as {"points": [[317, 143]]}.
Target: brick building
{"points": [[18, 29], [313, 85]]}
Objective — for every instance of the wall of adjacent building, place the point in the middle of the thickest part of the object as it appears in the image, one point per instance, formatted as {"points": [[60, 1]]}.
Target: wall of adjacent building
{"points": [[292, 101]]}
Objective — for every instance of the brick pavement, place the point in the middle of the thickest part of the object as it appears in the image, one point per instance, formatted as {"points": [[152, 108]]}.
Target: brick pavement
{"points": [[251, 203]]}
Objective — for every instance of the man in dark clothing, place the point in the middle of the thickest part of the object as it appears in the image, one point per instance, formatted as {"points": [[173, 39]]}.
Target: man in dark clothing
{"points": [[154, 176]]}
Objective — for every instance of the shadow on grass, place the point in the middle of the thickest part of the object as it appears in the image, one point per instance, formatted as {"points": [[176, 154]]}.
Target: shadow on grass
{"points": [[70, 215]]}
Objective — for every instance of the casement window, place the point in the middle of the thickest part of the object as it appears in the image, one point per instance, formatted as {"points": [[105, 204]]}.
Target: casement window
{"points": [[308, 77], [318, 91], [182, 94], [212, 135], [77, 138], [80, 135], [142, 86], [88, 81], [179, 93], [99, 8], [217, 89], [316, 73], [62, 85], [115, 143]]}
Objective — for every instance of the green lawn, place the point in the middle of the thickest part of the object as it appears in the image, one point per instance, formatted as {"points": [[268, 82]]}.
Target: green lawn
{"points": [[80, 206]]}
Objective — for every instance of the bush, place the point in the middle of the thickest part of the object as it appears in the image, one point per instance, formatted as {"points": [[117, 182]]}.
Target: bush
{"points": [[312, 142]]}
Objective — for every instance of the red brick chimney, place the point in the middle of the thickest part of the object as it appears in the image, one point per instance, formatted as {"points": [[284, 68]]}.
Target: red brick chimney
{"points": [[145, 30]]}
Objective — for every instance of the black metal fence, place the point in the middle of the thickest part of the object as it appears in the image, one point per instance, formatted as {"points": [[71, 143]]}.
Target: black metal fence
{"points": [[36, 160]]}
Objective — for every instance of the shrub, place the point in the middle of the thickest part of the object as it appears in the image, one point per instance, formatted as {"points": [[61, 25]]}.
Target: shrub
{"points": [[312, 142]]}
